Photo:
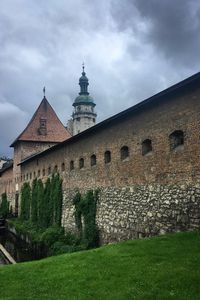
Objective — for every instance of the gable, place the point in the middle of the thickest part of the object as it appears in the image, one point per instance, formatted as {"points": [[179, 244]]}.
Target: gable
{"points": [[44, 126]]}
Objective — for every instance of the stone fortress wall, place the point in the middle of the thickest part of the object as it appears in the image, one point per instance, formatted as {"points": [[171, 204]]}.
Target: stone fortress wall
{"points": [[149, 180]]}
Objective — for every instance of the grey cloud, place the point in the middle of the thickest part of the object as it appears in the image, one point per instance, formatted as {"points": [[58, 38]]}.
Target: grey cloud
{"points": [[171, 27], [129, 48], [12, 121]]}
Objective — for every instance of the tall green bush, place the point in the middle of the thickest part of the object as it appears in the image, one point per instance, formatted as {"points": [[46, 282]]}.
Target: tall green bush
{"points": [[86, 206], [48, 205], [41, 204], [58, 200], [4, 207], [25, 201], [78, 212], [44, 204], [34, 203]]}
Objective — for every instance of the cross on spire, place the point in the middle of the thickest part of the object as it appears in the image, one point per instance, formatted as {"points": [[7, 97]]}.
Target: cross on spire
{"points": [[83, 66], [44, 90]]}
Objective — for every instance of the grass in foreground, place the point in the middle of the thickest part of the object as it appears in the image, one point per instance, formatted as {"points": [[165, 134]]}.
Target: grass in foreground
{"points": [[165, 267]]}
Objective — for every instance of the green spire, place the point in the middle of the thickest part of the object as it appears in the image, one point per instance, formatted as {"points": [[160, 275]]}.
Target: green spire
{"points": [[84, 97], [83, 82]]}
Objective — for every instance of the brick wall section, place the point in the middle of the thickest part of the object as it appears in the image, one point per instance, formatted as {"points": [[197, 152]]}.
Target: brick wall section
{"points": [[162, 166], [7, 185], [23, 150]]}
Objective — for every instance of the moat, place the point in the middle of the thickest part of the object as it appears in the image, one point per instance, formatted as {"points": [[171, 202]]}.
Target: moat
{"points": [[17, 248]]}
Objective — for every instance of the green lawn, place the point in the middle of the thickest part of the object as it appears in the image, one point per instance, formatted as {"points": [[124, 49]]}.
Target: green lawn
{"points": [[165, 267]]}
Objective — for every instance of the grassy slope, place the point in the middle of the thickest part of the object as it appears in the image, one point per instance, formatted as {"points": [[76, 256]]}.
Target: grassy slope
{"points": [[165, 267]]}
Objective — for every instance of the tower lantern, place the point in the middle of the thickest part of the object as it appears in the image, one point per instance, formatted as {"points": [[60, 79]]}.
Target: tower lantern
{"points": [[83, 116]]}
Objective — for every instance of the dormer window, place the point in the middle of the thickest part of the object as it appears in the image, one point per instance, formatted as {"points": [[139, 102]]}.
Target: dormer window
{"points": [[42, 123], [43, 126]]}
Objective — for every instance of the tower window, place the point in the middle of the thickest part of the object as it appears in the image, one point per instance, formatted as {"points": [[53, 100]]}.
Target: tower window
{"points": [[81, 163], [43, 127], [63, 167], [38, 173], [107, 157], [176, 139], [146, 147], [49, 170], [71, 165], [42, 123], [124, 152], [93, 160], [55, 169], [43, 172]]}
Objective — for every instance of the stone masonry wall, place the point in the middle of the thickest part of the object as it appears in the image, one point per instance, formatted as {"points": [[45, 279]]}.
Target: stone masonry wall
{"points": [[141, 211], [147, 210]]}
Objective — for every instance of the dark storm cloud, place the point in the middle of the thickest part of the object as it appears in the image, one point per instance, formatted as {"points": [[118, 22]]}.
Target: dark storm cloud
{"points": [[132, 49], [172, 27]]}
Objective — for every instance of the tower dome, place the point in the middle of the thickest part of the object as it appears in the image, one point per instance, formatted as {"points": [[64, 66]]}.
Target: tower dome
{"points": [[83, 115], [84, 96]]}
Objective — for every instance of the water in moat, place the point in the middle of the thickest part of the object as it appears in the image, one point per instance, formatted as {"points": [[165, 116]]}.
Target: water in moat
{"points": [[18, 249]]}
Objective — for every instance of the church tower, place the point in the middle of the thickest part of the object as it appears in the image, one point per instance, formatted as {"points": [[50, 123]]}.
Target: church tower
{"points": [[83, 116]]}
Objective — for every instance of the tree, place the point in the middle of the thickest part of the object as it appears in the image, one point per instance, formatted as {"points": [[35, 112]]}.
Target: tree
{"points": [[4, 207], [25, 201], [41, 204], [48, 216], [34, 202], [58, 200]]}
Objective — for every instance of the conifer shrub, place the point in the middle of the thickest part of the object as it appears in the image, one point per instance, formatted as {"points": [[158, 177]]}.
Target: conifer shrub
{"points": [[41, 214], [25, 201], [56, 195], [41, 204], [85, 206], [4, 207], [34, 202], [78, 212], [51, 235], [48, 214]]}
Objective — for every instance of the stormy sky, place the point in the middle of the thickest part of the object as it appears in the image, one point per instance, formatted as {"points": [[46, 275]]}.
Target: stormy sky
{"points": [[132, 49]]}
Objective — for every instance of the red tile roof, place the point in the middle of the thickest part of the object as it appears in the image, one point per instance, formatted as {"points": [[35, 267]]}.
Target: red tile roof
{"points": [[54, 132]]}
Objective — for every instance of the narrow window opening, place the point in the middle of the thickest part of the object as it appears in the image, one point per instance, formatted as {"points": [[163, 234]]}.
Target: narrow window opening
{"points": [[124, 152], [93, 160], [49, 170], [146, 147], [63, 167], [107, 157], [71, 165], [43, 172], [42, 130], [81, 163], [176, 139]]}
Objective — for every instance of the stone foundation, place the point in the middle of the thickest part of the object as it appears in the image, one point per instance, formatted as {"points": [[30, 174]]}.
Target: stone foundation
{"points": [[140, 211]]}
